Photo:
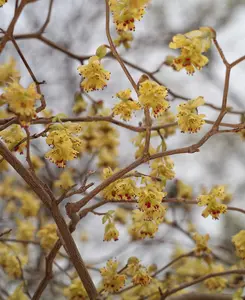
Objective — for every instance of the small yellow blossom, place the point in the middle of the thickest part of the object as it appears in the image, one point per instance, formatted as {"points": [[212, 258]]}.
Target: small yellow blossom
{"points": [[188, 118], [167, 118], [184, 191], [133, 266], [80, 104], [65, 180], [201, 244], [121, 189], [192, 45], [25, 230], [163, 168], [95, 76], [142, 277], [142, 227], [124, 38], [12, 136], [18, 294], [216, 283], [213, 208], [13, 265], [239, 241], [21, 101], [76, 290], [48, 236], [126, 106], [125, 12], [8, 70], [153, 95], [150, 202], [112, 281], [65, 144], [29, 203], [111, 233]]}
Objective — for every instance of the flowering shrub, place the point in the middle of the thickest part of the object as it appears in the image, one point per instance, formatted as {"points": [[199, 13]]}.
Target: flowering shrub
{"points": [[44, 205]]}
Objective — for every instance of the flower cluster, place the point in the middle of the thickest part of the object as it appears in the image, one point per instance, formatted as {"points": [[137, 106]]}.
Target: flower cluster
{"points": [[95, 76], [125, 12], [188, 118], [184, 191], [192, 45], [10, 262], [75, 290], [48, 236], [64, 142], [239, 241], [153, 95], [139, 142], [121, 189], [21, 101], [101, 138], [201, 244], [8, 71], [167, 117], [217, 283], [80, 104], [214, 208], [25, 230], [126, 106], [18, 294], [162, 168], [112, 281], [12, 136]]}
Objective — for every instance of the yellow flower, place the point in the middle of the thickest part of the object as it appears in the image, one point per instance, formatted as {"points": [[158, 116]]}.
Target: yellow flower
{"points": [[213, 208], [13, 266], [142, 227], [65, 181], [124, 38], [66, 146], [150, 202], [29, 203], [188, 118], [48, 236], [133, 266], [167, 118], [112, 281], [142, 277], [18, 294], [111, 233], [21, 101], [216, 283], [201, 244], [95, 76], [152, 95], [126, 106], [125, 12], [80, 104], [184, 191], [163, 168], [8, 70], [25, 230], [121, 189], [192, 45], [12, 136], [76, 290], [239, 241]]}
